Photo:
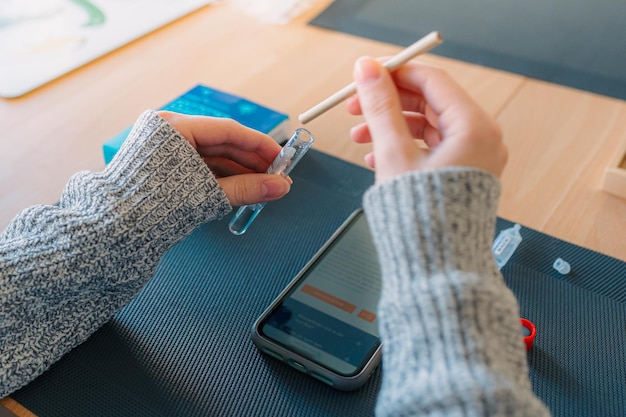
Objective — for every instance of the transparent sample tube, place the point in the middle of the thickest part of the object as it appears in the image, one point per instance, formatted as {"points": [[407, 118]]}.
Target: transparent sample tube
{"points": [[505, 244], [288, 157]]}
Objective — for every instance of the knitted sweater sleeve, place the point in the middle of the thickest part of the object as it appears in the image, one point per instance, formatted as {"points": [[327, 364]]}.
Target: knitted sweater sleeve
{"points": [[66, 269], [450, 329]]}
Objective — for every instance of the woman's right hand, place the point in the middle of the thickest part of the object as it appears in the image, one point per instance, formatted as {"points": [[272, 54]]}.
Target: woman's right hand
{"points": [[418, 101]]}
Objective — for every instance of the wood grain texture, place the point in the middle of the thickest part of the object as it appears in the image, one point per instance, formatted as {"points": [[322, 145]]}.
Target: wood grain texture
{"points": [[560, 142]]}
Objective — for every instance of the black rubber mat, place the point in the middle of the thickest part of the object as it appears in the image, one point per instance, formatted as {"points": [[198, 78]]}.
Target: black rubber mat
{"points": [[581, 44], [182, 348]]}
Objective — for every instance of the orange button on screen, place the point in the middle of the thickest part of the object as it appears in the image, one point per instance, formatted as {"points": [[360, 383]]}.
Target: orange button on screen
{"points": [[366, 315], [328, 298]]}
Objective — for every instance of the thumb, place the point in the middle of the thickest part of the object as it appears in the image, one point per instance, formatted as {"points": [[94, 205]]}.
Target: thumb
{"points": [[380, 103], [247, 189]]}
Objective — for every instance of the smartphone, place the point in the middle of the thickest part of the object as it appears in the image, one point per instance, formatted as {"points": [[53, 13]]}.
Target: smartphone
{"points": [[324, 323]]}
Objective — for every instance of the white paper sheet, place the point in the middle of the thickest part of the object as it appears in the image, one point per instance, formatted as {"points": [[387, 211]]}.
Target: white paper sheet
{"points": [[274, 11], [41, 40]]}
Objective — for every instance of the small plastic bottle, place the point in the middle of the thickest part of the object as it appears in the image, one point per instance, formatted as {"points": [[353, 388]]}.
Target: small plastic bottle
{"points": [[505, 244]]}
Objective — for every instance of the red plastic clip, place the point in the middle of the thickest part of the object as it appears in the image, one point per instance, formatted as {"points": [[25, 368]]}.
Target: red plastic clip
{"points": [[529, 332]]}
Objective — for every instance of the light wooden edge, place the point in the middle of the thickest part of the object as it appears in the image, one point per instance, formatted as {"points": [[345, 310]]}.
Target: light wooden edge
{"points": [[615, 174], [16, 408]]}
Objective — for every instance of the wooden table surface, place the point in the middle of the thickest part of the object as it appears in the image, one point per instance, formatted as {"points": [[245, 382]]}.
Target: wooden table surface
{"points": [[560, 139]]}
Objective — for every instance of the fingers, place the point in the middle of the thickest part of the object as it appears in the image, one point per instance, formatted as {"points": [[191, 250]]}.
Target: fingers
{"points": [[410, 100], [436, 86], [224, 167], [419, 127], [237, 155], [226, 138], [393, 145], [420, 84], [471, 136], [254, 188], [424, 89], [379, 98], [395, 150], [370, 160], [233, 156], [418, 101]]}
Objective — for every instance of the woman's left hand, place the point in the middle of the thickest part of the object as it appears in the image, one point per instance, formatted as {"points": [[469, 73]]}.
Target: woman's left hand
{"points": [[237, 155]]}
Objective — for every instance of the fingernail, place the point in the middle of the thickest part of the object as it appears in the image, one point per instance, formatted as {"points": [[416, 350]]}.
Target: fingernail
{"points": [[366, 69], [275, 188]]}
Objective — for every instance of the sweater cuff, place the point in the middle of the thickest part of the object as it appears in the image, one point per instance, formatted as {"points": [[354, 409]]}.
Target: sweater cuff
{"points": [[445, 219], [156, 166]]}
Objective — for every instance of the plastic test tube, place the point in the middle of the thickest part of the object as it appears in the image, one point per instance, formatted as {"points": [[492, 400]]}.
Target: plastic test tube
{"points": [[505, 244], [292, 152]]}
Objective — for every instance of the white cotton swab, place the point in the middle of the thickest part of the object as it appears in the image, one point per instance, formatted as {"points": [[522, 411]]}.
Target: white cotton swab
{"points": [[423, 45]]}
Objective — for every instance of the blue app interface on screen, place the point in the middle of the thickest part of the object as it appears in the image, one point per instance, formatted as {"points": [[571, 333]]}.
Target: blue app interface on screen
{"points": [[330, 315]]}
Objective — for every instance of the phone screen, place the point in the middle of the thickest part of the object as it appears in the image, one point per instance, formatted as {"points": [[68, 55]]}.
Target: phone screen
{"points": [[329, 315]]}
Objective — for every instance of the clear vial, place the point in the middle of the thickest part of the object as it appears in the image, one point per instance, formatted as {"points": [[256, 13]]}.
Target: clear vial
{"points": [[244, 217], [505, 244], [291, 153]]}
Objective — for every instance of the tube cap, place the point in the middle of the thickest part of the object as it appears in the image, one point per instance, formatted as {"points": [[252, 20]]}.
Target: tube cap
{"points": [[529, 332], [561, 266]]}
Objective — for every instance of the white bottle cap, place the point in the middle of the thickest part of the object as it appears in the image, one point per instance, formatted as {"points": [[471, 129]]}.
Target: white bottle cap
{"points": [[561, 266]]}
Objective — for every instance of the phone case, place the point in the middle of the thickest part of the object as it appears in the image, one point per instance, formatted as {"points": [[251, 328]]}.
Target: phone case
{"points": [[296, 360]]}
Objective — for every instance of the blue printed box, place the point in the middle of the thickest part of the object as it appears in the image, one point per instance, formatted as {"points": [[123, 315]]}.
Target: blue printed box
{"points": [[206, 101]]}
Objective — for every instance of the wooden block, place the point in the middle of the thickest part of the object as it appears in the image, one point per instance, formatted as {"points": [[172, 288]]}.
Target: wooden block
{"points": [[615, 174]]}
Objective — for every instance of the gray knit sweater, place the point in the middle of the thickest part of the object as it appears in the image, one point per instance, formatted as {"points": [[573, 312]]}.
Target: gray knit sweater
{"points": [[450, 329], [452, 343], [66, 269]]}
